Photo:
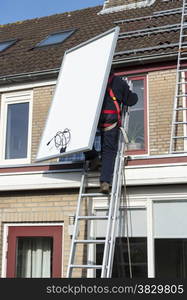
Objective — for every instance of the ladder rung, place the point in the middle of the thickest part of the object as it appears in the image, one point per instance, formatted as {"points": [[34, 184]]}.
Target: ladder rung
{"points": [[177, 151], [183, 58], [181, 95], [89, 241], [95, 195], [87, 266], [181, 108], [183, 70], [179, 137], [95, 175], [93, 218], [180, 122], [182, 82]]}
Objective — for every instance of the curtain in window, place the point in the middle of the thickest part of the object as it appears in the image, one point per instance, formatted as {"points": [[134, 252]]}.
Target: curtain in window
{"points": [[34, 257]]}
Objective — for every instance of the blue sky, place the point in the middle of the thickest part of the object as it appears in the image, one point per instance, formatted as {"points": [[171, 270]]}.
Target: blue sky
{"points": [[19, 10]]}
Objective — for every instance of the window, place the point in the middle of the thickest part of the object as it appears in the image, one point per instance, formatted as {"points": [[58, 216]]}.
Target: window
{"points": [[80, 156], [171, 263], [56, 38], [6, 44], [130, 256], [128, 262], [170, 238], [137, 128], [16, 114], [34, 251], [33, 257]]}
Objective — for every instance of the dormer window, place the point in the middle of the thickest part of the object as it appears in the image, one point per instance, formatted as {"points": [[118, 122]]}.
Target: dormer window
{"points": [[56, 38], [6, 44]]}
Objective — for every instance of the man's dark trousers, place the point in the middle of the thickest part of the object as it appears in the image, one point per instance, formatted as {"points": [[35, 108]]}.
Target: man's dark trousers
{"points": [[109, 147]]}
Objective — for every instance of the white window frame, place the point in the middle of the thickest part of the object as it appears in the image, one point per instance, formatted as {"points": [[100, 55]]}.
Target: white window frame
{"points": [[102, 204], [150, 226], [14, 98], [136, 201]]}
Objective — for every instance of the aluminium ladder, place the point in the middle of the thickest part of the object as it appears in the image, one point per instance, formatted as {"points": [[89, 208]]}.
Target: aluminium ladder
{"points": [[180, 101], [111, 218]]}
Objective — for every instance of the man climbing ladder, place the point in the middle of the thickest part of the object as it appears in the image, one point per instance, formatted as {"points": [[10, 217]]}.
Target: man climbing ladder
{"points": [[117, 95]]}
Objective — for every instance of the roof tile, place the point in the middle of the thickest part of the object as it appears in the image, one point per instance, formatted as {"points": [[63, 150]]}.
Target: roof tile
{"points": [[23, 57]]}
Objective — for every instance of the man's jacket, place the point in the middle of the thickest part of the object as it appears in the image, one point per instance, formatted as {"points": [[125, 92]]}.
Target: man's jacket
{"points": [[123, 95]]}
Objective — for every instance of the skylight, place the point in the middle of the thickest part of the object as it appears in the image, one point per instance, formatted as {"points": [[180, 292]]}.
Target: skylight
{"points": [[4, 45], [55, 38]]}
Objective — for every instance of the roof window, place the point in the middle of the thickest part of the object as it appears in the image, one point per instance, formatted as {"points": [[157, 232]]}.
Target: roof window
{"points": [[6, 44], [56, 38]]}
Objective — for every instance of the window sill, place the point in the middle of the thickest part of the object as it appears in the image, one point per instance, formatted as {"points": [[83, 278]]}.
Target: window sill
{"points": [[11, 162]]}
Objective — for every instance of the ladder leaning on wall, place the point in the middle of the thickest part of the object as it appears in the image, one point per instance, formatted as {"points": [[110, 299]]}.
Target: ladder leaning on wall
{"points": [[113, 210], [179, 119]]}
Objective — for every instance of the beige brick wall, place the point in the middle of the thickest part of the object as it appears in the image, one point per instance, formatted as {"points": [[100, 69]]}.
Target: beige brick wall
{"points": [[41, 206], [161, 90], [42, 97]]}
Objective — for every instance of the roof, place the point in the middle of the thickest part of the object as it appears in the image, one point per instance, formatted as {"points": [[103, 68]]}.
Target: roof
{"points": [[157, 36]]}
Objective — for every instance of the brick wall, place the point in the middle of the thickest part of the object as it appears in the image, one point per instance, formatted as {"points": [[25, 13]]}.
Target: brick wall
{"points": [[42, 206], [42, 97], [161, 89]]}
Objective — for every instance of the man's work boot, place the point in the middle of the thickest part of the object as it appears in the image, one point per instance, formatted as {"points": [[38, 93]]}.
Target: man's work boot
{"points": [[104, 187], [94, 164]]}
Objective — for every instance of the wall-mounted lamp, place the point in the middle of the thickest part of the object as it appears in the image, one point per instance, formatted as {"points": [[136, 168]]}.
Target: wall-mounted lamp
{"points": [[71, 224]]}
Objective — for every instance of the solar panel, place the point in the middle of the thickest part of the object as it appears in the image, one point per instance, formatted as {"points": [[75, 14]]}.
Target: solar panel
{"points": [[75, 109]]}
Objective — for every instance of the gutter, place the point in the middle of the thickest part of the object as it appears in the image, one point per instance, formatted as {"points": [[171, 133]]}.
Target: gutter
{"points": [[7, 79], [38, 75], [140, 60]]}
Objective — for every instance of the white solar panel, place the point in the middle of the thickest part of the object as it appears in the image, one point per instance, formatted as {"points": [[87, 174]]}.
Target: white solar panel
{"points": [[74, 113]]}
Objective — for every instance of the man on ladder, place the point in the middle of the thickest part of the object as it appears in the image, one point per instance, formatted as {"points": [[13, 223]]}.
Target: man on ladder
{"points": [[117, 94]]}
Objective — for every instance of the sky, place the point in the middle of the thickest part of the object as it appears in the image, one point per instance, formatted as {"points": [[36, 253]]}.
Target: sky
{"points": [[18, 10]]}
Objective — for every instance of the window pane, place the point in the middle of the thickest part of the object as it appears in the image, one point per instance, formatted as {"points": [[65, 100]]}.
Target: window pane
{"points": [[34, 257], [131, 222], [130, 258], [130, 230], [170, 219], [136, 132], [171, 258], [6, 44], [55, 38], [17, 131], [80, 156]]}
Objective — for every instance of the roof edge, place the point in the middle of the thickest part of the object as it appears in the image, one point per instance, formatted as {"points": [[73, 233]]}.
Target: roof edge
{"points": [[7, 79], [46, 74]]}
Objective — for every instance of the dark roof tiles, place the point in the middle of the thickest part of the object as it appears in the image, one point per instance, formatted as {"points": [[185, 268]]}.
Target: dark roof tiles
{"points": [[22, 57]]}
